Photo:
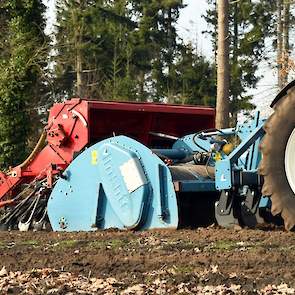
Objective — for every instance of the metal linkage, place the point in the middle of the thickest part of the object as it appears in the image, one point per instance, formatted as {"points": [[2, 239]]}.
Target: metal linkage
{"points": [[250, 216], [30, 212], [239, 207], [225, 210]]}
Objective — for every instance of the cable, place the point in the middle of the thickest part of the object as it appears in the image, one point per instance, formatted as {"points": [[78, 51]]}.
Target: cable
{"points": [[204, 131]]}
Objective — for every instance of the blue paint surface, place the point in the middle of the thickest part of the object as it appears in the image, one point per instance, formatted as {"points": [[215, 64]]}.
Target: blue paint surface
{"points": [[94, 194]]}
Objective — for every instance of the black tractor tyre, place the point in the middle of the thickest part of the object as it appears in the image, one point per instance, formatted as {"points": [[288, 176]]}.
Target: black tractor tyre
{"points": [[278, 129]]}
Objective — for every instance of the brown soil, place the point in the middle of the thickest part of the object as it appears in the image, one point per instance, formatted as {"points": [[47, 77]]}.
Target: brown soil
{"points": [[202, 257]]}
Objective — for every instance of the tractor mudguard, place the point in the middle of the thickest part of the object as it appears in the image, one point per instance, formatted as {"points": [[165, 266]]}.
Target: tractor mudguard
{"points": [[282, 93]]}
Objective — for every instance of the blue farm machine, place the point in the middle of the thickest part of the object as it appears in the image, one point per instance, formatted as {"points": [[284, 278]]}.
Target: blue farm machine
{"points": [[101, 165]]}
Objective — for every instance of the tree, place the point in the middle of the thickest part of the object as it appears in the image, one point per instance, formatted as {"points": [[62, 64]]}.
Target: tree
{"points": [[128, 50], [21, 72], [283, 47], [193, 78], [223, 71], [279, 42], [250, 24], [92, 48]]}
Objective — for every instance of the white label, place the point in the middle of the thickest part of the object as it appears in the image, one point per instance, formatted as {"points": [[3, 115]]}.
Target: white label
{"points": [[133, 175]]}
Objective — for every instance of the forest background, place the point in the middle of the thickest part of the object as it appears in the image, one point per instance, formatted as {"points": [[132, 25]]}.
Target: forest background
{"points": [[133, 50]]}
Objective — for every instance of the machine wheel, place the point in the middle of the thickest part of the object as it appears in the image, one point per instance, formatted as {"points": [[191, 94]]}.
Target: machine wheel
{"points": [[278, 159]]}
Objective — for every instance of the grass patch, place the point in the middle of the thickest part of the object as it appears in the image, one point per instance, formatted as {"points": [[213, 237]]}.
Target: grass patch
{"points": [[68, 243], [284, 248], [225, 245], [184, 269], [117, 243], [30, 243], [179, 245], [149, 279]]}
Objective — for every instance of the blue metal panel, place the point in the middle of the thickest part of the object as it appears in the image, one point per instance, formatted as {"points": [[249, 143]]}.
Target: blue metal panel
{"points": [[252, 157], [175, 154], [265, 202], [224, 168], [187, 143], [127, 204], [117, 183], [223, 175]]}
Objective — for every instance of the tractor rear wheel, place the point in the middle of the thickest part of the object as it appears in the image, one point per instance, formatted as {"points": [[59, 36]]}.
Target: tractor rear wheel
{"points": [[278, 159]]}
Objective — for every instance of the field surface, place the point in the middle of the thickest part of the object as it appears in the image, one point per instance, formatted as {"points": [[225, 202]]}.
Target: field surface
{"points": [[202, 261]]}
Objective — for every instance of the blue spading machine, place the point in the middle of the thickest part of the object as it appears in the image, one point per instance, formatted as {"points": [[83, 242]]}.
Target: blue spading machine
{"points": [[205, 177]]}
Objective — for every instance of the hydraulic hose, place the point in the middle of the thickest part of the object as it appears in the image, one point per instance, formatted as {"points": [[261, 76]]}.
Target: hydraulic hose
{"points": [[38, 147]]}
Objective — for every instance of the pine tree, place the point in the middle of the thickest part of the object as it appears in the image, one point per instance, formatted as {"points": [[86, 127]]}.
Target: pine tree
{"points": [[129, 50], [93, 52], [194, 78]]}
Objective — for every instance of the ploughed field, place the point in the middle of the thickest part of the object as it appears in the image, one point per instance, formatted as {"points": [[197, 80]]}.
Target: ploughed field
{"points": [[203, 261]]}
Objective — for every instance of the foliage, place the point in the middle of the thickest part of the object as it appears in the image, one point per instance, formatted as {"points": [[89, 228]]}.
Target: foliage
{"points": [[20, 66], [193, 78], [104, 49], [129, 50]]}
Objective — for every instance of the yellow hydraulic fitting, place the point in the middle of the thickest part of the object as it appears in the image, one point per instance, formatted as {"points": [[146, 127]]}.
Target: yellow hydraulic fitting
{"points": [[228, 148]]}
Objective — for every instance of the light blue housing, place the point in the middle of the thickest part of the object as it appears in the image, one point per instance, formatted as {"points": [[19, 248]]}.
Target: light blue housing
{"points": [[116, 183]]}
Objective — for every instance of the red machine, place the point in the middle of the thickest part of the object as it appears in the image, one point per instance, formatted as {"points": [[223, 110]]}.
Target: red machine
{"points": [[76, 124]]}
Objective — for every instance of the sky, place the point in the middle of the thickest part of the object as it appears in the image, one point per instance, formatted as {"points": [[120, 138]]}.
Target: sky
{"points": [[192, 24], [190, 27]]}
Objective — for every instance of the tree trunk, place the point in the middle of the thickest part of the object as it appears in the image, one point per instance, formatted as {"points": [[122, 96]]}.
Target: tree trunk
{"points": [[141, 85], [79, 69], [216, 34], [170, 54], [279, 43], [79, 54], [285, 56], [223, 70], [234, 111]]}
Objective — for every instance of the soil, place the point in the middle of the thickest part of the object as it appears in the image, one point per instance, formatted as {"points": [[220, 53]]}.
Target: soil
{"points": [[251, 259]]}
